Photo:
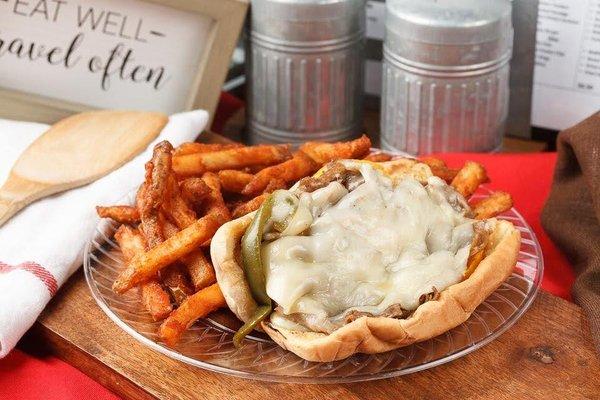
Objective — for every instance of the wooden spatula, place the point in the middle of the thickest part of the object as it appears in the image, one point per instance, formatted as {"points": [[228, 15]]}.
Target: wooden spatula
{"points": [[75, 151]]}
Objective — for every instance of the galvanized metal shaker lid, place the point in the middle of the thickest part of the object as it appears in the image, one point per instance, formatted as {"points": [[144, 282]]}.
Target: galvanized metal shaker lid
{"points": [[291, 21], [448, 33]]}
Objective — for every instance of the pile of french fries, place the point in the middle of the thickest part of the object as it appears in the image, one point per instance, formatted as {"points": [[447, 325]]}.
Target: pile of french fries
{"points": [[190, 191]]}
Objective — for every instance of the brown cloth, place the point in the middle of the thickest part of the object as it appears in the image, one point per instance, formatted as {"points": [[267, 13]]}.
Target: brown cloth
{"points": [[571, 215]]}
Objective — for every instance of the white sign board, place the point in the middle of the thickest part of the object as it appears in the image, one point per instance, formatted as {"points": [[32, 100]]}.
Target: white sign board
{"points": [[102, 53], [567, 63]]}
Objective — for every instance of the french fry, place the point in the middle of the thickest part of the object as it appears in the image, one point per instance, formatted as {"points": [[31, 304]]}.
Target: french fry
{"points": [[236, 158], [194, 307], [176, 207], [234, 181], [158, 172], [192, 147], [378, 157], [214, 201], [155, 299], [291, 170], [249, 206], [469, 177], [256, 202], [130, 241], [145, 266], [120, 214], [194, 190], [176, 282], [140, 196], [323, 152], [440, 169], [200, 270], [495, 204], [274, 185]]}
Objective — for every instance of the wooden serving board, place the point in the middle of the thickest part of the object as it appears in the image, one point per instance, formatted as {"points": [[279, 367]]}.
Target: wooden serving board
{"points": [[548, 354]]}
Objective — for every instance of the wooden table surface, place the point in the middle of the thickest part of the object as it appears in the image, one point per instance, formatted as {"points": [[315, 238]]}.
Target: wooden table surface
{"points": [[548, 354]]}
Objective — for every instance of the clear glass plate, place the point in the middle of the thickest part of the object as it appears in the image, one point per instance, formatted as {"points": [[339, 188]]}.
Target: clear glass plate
{"points": [[208, 344]]}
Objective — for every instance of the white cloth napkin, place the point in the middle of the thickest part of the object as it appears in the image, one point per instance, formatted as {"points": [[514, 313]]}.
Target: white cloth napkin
{"points": [[43, 245]]}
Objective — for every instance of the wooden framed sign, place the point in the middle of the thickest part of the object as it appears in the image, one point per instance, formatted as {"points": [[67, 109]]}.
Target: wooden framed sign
{"points": [[58, 57]]}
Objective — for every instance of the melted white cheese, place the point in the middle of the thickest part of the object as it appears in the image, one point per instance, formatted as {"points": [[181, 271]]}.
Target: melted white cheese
{"points": [[378, 245]]}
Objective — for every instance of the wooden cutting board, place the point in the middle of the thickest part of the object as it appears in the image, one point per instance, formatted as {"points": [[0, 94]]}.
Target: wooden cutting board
{"points": [[548, 354]]}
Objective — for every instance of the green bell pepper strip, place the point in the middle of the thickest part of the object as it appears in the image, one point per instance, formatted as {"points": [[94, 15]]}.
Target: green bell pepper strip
{"points": [[253, 269], [252, 262], [290, 202], [251, 258], [261, 313]]}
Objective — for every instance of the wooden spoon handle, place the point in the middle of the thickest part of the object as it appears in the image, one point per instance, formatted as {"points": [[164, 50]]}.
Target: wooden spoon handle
{"points": [[18, 192]]}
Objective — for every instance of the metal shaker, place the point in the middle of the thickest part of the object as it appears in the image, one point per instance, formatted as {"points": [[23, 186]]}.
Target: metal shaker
{"points": [[445, 75], [305, 70]]}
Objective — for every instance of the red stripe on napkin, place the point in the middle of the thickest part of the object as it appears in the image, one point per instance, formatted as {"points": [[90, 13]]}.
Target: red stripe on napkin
{"points": [[36, 269]]}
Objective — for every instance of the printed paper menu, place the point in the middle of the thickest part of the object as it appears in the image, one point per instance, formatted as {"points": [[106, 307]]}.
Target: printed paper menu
{"points": [[567, 63]]}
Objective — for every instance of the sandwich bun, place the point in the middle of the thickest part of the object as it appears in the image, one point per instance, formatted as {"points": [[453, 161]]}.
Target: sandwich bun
{"points": [[372, 334]]}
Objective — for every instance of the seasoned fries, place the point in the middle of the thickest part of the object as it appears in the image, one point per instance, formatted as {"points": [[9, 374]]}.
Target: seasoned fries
{"points": [[190, 191], [468, 179], [120, 214], [177, 208], [194, 190], [146, 265], [249, 206], [495, 204], [191, 148], [157, 176], [200, 271], [322, 152], [214, 201], [236, 158], [155, 299], [298, 167], [234, 181], [196, 306], [177, 283], [378, 157], [440, 169], [256, 202]]}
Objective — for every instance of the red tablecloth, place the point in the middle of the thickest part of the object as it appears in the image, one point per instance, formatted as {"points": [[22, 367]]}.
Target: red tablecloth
{"points": [[25, 374]]}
